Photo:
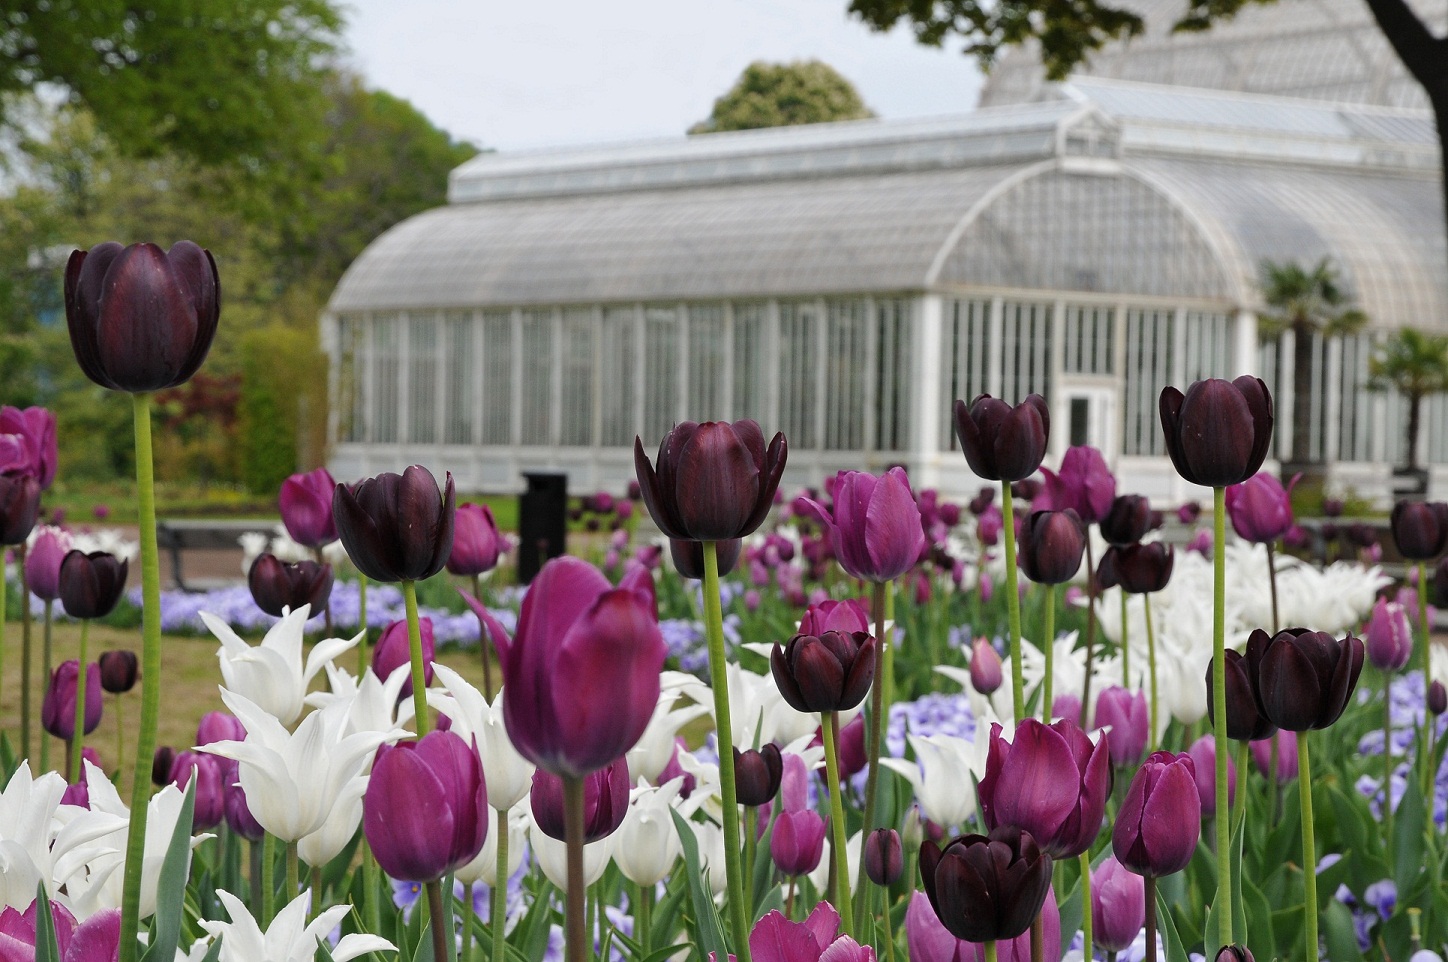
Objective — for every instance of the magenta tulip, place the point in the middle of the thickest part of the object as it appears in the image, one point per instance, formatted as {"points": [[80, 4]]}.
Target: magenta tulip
{"points": [[393, 651], [1118, 906], [1260, 508], [798, 841], [1160, 822], [1286, 769], [1051, 781], [209, 772], [873, 524], [1203, 753], [35, 427], [238, 815], [776, 939], [1130, 722], [476, 541], [425, 809], [42, 562], [218, 726], [306, 506], [57, 708], [985, 667], [97, 939], [1085, 485], [848, 616], [1389, 636], [605, 802]]}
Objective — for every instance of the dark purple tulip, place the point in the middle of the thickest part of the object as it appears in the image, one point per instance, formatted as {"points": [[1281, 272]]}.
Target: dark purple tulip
{"points": [[798, 842], [828, 672], [985, 667], [688, 556], [425, 810], [873, 524], [1161, 820], [394, 649], [1130, 721], [119, 670], [1305, 677], [19, 507], [91, 584], [209, 772], [757, 774], [930, 941], [1051, 781], [1138, 568], [1389, 636], [1420, 529], [1003, 443], [1128, 520], [1028, 489], [1203, 753], [57, 708], [884, 860], [605, 801], [238, 815], [218, 726], [1246, 717], [306, 507], [985, 889], [1051, 546], [35, 427], [42, 563], [277, 585], [1085, 485], [160, 765], [1261, 508], [988, 527], [714, 481], [476, 541], [1118, 906], [77, 793], [1234, 953], [949, 514], [981, 501], [848, 616], [1219, 432], [396, 527], [141, 319], [1332, 507], [582, 672], [1437, 698], [1360, 534]]}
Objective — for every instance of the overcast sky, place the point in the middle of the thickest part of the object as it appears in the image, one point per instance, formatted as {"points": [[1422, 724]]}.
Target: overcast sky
{"points": [[513, 74]]}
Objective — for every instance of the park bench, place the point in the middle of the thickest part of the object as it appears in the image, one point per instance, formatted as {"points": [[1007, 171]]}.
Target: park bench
{"points": [[179, 536]]}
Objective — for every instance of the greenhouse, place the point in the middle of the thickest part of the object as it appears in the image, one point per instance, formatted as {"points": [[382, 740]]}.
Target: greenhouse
{"points": [[844, 283]]}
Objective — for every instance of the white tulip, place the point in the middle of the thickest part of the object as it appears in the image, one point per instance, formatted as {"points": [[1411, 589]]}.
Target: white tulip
{"points": [[709, 837], [942, 774], [648, 842], [508, 775], [655, 747], [288, 938], [39, 837], [373, 705], [484, 868], [327, 842], [273, 675], [758, 712], [552, 857]]}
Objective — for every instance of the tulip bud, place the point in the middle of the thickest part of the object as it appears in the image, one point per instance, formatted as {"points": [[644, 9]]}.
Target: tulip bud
{"points": [[985, 667], [91, 584], [396, 527], [714, 481], [848, 616], [798, 842], [1051, 546], [161, 766], [1437, 698], [210, 805], [218, 726], [913, 833], [1084, 485], [757, 774], [605, 802], [76, 793], [829, 672], [57, 708], [394, 649], [1189, 512], [1128, 520], [1160, 822], [1237, 953], [986, 889], [1304, 677], [1129, 719], [982, 501], [425, 808], [1389, 636], [1286, 769], [1118, 906], [238, 815], [1139, 568], [19, 507], [1027, 489], [1001, 442], [688, 556], [306, 508], [42, 562], [1219, 432], [277, 585], [1420, 529], [949, 514], [1246, 718], [118, 671], [1204, 756], [476, 541], [873, 525], [884, 860], [1260, 508]]}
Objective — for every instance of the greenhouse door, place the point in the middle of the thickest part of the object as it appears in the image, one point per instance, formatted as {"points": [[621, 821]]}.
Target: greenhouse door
{"points": [[1090, 415]]}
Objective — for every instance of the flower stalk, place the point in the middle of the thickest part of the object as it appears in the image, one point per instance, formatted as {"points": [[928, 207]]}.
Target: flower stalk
{"points": [[77, 740], [414, 642], [1151, 671], [47, 666], [1309, 846], [497, 914], [1048, 640], [1151, 908], [27, 679], [441, 939], [879, 706], [1086, 920], [1424, 648], [1013, 603], [1219, 714], [575, 920], [838, 852]]}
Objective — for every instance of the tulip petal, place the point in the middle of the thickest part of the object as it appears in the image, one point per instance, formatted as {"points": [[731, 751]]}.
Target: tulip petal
{"points": [[1290, 688], [147, 325], [776, 939], [195, 268], [402, 818], [84, 281], [893, 535], [1039, 784], [717, 485]]}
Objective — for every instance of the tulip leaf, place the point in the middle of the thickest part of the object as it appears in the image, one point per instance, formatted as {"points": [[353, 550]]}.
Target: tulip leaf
{"points": [[8, 762], [46, 947], [213, 954], [706, 917], [1340, 933], [1071, 908], [171, 890], [762, 871], [1408, 828], [1239, 916], [1259, 911], [1175, 951]]}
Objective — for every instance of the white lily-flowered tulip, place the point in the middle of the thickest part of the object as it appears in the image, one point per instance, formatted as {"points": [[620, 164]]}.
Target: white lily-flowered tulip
{"points": [[820, 877], [709, 837], [484, 868], [289, 938], [327, 842], [508, 775], [942, 774], [552, 857], [648, 841], [373, 705], [273, 675], [654, 749], [38, 837], [294, 780], [758, 712]]}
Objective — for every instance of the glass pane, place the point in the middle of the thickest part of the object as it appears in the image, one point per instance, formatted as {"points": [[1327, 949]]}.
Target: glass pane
{"points": [[497, 377], [617, 376], [845, 375], [705, 377], [577, 427], [966, 359], [751, 366], [661, 372], [537, 377], [1148, 370], [798, 390], [893, 357], [461, 378], [422, 379], [385, 375], [351, 379]]}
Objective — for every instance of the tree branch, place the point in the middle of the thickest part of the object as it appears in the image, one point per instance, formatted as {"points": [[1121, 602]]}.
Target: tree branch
{"points": [[1421, 52]]}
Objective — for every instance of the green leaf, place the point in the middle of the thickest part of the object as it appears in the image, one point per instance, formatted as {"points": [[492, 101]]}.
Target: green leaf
{"points": [[1259, 931], [46, 948], [171, 889], [1072, 909], [1175, 951], [1339, 933], [1211, 934], [1408, 827], [706, 917], [213, 954]]}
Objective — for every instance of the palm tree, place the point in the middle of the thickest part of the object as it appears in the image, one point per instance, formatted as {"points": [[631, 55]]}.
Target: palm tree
{"points": [[1416, 366], [1306, 302]]}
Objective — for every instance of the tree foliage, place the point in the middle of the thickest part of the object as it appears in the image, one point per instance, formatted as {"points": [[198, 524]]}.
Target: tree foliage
{"points": [[782, 95], [1416, 366]]}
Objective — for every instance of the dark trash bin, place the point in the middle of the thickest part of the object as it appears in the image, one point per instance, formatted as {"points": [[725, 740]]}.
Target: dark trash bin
{"points": [[542, 522]]}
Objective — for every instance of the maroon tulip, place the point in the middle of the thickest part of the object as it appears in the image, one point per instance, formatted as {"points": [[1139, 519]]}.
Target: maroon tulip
{"points": [[605, 802], [35, 427], [161, 762], [757, 774], [582, 673], [1053, 782], [1161, 820], [873, 524], [884, 860], [1085, 485], [1260, 508], [141, 319], [930, 941], [1130, 721], [57, 708], [985, 667], [119, 670], [1234, 953], [1051, 546], [209, 772], [394, 649], [1128, 520], [1437, 698], [847, 616], [1118, 906], [1028, 489], [19, 507], [1305, 677], [828, 672], [1389, 636], [425, 809], [396, 527], [981, 501], [42, 562], [91, 584], [306, 506], [798, 841], [714, 481], [1420, 529], [688, 556], [277, 585], [1219, 432], [1138, 568], [1189, 512], [1203, 753], [1003, 443], [985, 889], [1246, 717], [476, 541]]}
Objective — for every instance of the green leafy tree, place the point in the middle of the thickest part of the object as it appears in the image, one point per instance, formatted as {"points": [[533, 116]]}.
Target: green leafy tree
{"points": [[782, 95], [1305, 301], [1416, 366]]}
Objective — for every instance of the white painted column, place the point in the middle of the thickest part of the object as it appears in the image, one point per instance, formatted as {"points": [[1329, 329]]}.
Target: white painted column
{"points": [[929, 403], [1245, 356]]}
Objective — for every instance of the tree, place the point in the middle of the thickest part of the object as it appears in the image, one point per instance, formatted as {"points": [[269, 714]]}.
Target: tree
{"points": [[1416, 366], [1305, 302], [782, 95]]}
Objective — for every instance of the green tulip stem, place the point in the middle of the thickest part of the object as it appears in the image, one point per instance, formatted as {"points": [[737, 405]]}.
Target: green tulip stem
{"points": [[268, 880], [294, 882], [442, 942], [1150, 881], [1219, 717], [77, 738], [889, 931], [484, 645], [575, 912], [837, 817], [27, 679], [1426, 772], [1090, 632], [47, 666], [1272, 581], [724, 730], [990, 951], [879, 708], [1013, 603], [1240, 808], [1125, 647], [1151, 672], [120, 731], [151, 679], [497, 914], [414, 641], [371, 884], [319, 905], [1309, 845], [1086, 902], [1048, 641], [751, 844], [1388, 766], [362, 624], [643, 930]]}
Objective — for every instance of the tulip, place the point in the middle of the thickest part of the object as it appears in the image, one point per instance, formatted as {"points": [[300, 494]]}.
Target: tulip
{"points": [[141, 319], [1000, 442], [874, 525], [605, 802], [425, 809], [847, 616], [35, 428], [714, 481], [776, 939], [508, 775], [988, 528], [1129, 720], [1240, 953], [929, 941], [884, 860], [91, 584], [97, 939], [1437, 698], [852, 747], [277, 585], [757, 774], [985, 889], [1389, 636], [208, 770], [218, 726], [57, 709], [582, 672], [1118, 906], [1050, 781], [648, 843], [118, 671], [1189, 512], [1246, 718], [688, 556], [1286, 756], [273, 674], [396, 527], [1219, 432], [1138, 568], [289, 938], [985, 667], [1128, 520], [393, 651], [161, 763], [306, 507], [42, 562], [941, 776], [1305, 678], [982, 500], [826, 673], [1085, 485], [1160, 822], [1203, 754], [476, 541], [1260, 508], [19, 507], [1420, 529], [1052, 543], [798, 842], [238, 816]]}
